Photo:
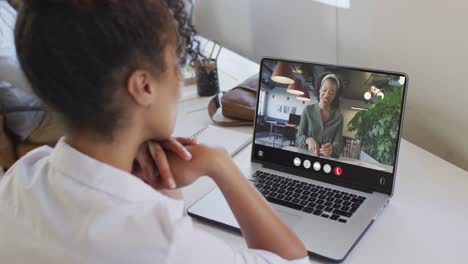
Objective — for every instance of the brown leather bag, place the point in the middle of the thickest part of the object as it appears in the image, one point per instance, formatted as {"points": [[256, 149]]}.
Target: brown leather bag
{"points": [[237, 105]]}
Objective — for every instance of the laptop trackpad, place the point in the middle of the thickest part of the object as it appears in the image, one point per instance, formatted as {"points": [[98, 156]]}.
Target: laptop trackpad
{"points": [[290, 219], [214, 207]]}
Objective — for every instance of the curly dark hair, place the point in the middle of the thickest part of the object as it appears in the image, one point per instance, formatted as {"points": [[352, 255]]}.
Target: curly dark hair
{"points": [[318, 85], [78, 54]]}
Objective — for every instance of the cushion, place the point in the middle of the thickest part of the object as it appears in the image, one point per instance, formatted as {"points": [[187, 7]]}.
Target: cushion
{"points": [[15, 90]]}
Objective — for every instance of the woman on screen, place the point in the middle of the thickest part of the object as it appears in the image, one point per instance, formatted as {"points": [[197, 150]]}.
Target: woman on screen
{"points": [[320, 129]]}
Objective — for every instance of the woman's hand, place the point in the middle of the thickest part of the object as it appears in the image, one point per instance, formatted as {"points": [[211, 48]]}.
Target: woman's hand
{"points": [[326, 149], [206, 161], [313, 146], [152, 166]]}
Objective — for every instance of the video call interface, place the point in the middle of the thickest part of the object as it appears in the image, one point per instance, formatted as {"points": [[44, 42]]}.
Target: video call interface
{"points": [[346, 115]]}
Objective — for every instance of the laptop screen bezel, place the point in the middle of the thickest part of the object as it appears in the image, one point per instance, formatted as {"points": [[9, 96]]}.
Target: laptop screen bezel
{"points": [[389, 189]]}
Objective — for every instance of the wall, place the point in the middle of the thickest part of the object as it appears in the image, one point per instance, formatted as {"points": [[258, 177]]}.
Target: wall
{"points": [[228, 22], [279, 97], [258, 28], [426, 39], [429, 41]]}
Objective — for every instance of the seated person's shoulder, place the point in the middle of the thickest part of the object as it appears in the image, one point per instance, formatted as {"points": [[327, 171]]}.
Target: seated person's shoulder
{"points": [[309, 108], [24, 174], [29, 162], [339, 113]]}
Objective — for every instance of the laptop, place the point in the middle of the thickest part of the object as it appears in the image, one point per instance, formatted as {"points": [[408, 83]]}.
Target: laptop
{"points": [[329, 196]]}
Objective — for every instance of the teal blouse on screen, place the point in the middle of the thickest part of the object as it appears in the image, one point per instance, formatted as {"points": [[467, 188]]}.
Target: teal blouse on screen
{"points": [[311, 125]]}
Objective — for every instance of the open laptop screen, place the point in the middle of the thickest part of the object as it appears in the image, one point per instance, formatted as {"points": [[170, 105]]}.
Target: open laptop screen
{"points": [[338, 123]]}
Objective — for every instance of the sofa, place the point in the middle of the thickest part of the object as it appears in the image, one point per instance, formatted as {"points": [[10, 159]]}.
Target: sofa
{"points": [[11, 149]]}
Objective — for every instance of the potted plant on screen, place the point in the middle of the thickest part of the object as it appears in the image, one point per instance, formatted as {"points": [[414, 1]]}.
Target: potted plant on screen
{"points": [[377, 128]]}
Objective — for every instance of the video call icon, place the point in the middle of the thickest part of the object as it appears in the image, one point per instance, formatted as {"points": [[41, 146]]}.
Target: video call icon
{"points": [[307, 164], [297, 162], [338, 171], [317, 166], [382, 181]]}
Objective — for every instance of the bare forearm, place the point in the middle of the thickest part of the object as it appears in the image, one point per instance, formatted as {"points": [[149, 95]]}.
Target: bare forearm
{"points": [[260, 225]]}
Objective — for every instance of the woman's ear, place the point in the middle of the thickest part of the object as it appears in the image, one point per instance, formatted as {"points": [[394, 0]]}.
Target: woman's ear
{"points": [[141, 87]]}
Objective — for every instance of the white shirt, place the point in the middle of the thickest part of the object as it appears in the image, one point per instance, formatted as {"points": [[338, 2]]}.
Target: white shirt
{"points": [[61, 206]]}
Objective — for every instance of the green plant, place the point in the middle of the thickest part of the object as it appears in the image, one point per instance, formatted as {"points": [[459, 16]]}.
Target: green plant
{"points": [[377, 128]]}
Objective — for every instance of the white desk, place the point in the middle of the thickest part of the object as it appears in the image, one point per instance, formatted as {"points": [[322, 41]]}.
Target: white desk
{"points": [[425, 222]]}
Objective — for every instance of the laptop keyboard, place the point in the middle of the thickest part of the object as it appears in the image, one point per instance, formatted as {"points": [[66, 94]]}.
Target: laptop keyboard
{"points": [[310, 198]]}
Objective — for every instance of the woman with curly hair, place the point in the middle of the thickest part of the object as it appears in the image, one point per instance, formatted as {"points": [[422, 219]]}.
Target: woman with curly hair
{"points": [[108, 191]]}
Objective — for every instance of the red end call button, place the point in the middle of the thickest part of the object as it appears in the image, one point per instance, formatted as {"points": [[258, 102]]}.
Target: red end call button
{"points": [[338, 171]]}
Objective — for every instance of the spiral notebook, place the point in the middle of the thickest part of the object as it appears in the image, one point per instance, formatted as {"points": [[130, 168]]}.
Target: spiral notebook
{"points": [[232, 141]]}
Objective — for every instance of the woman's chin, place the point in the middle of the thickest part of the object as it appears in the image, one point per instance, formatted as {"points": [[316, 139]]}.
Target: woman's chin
{"points": [[161, 135]]}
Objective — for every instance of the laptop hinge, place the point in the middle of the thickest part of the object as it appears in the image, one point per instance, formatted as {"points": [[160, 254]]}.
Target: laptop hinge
{"points": [[317, 177]]}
